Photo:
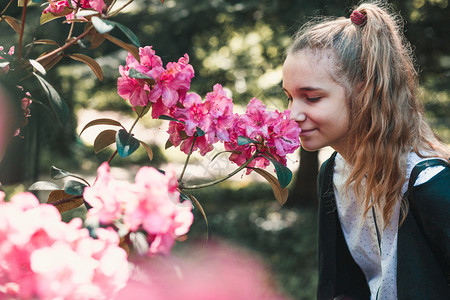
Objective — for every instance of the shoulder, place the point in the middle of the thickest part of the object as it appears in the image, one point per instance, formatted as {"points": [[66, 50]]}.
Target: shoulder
{"points": [[432, 198], [326, 173]]}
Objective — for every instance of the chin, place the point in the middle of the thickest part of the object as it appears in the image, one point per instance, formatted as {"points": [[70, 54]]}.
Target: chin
{"points": [[309, 148]]}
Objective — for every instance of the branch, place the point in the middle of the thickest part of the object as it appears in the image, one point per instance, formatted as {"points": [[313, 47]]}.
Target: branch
{"points": [[65, 46], [207, 184], [22, 27]]}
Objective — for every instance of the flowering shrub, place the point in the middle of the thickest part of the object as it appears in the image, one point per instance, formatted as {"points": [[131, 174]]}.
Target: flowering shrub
{"points": [[42, 257], [151, 204], [45, 258]]}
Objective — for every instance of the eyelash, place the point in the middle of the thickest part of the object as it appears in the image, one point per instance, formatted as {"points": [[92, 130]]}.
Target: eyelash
{"points": [[313, 99]]}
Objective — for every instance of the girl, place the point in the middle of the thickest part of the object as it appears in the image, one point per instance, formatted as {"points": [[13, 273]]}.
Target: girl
{"points": [[352, 85]]}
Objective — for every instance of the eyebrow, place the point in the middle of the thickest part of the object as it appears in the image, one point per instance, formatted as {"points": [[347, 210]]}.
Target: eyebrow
{"points": [[306, 89]]}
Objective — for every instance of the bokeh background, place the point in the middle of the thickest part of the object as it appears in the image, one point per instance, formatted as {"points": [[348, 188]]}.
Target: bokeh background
{"points": [[241, 45]]}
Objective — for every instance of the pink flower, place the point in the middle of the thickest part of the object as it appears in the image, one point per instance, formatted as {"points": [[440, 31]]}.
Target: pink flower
{"points": [[220, 108], [215, 272], [214, 117], [151, 204], [42, 257], [166, 87], [195, 113], [275, 136], [56, 7], [5, 69], [108, 196]]}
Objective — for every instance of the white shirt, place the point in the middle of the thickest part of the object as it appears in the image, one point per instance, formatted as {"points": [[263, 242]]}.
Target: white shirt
{"points": [[375, 253]]}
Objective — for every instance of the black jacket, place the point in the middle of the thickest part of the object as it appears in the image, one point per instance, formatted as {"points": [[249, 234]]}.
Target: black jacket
{"points": [[423, 249]]}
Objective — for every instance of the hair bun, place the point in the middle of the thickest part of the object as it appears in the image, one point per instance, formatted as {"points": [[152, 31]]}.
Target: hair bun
{"points": [[358, 18]]}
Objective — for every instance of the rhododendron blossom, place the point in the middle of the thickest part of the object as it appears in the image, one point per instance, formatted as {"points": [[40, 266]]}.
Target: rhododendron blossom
{"points": [[5, 69], [42, 257], [274, 133], [57, 7], [151, 204], [165, 87], [214, 117]]}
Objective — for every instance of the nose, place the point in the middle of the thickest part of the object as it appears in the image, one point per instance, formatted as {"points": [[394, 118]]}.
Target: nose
{"points": [[297, 112]]}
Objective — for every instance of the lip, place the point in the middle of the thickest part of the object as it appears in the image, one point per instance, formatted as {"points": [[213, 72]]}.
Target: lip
{"points": [[306, 132]]}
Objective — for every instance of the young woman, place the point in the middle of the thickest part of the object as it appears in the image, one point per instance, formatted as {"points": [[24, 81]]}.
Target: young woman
{"points": [[352, 85]]}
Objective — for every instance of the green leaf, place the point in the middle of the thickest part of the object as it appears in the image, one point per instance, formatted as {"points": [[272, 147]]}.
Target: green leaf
{"points": [[55, 196], [102, 26], [200, 132], [202, 211], [104, 139], [58, 105], [15, 24], [101, 121], [281, 194], [136, 74], [243, 140], [57, 173], [86, 13], [43, 186], [133, 38], [168, 145], [142, 110], [148, 149], [284, 175], [164, 117], [73, 187], [92, 63], [50, 16], [130, 48], [36, 65], [126, 143]]}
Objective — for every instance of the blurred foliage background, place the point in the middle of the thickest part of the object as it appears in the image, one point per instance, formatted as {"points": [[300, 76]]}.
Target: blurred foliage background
{"points": [[241, 45]]}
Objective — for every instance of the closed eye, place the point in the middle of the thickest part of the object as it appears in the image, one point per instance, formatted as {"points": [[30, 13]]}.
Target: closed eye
{"points": [[313, 99]]}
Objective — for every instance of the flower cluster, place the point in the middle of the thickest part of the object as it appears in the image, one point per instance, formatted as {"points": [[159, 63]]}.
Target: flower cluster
{"points": [[151, 204], [214, 117], [58, 7], [274, 133], [42, 257], [200, 123], [147, 81]]}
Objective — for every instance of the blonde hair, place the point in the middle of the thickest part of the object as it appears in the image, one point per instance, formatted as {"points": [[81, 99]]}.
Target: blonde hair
{"points": [[386, 118]]}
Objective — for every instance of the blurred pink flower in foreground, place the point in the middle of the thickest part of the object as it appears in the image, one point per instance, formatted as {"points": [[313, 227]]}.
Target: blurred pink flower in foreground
{"points": [[215, 272], [42, 257], [151, 204]]}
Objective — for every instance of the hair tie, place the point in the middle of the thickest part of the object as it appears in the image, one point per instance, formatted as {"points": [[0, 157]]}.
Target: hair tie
{"points": [[358, 18]]}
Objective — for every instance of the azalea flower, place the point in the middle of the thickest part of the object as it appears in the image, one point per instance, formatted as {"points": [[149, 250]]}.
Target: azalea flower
{"points": [[274, 135], [43, 257], [164, 88], [151, 204], [57, 7]]}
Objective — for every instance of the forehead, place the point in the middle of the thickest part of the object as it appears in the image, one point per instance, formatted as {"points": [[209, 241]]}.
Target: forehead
{"points": [[312, 67]]}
